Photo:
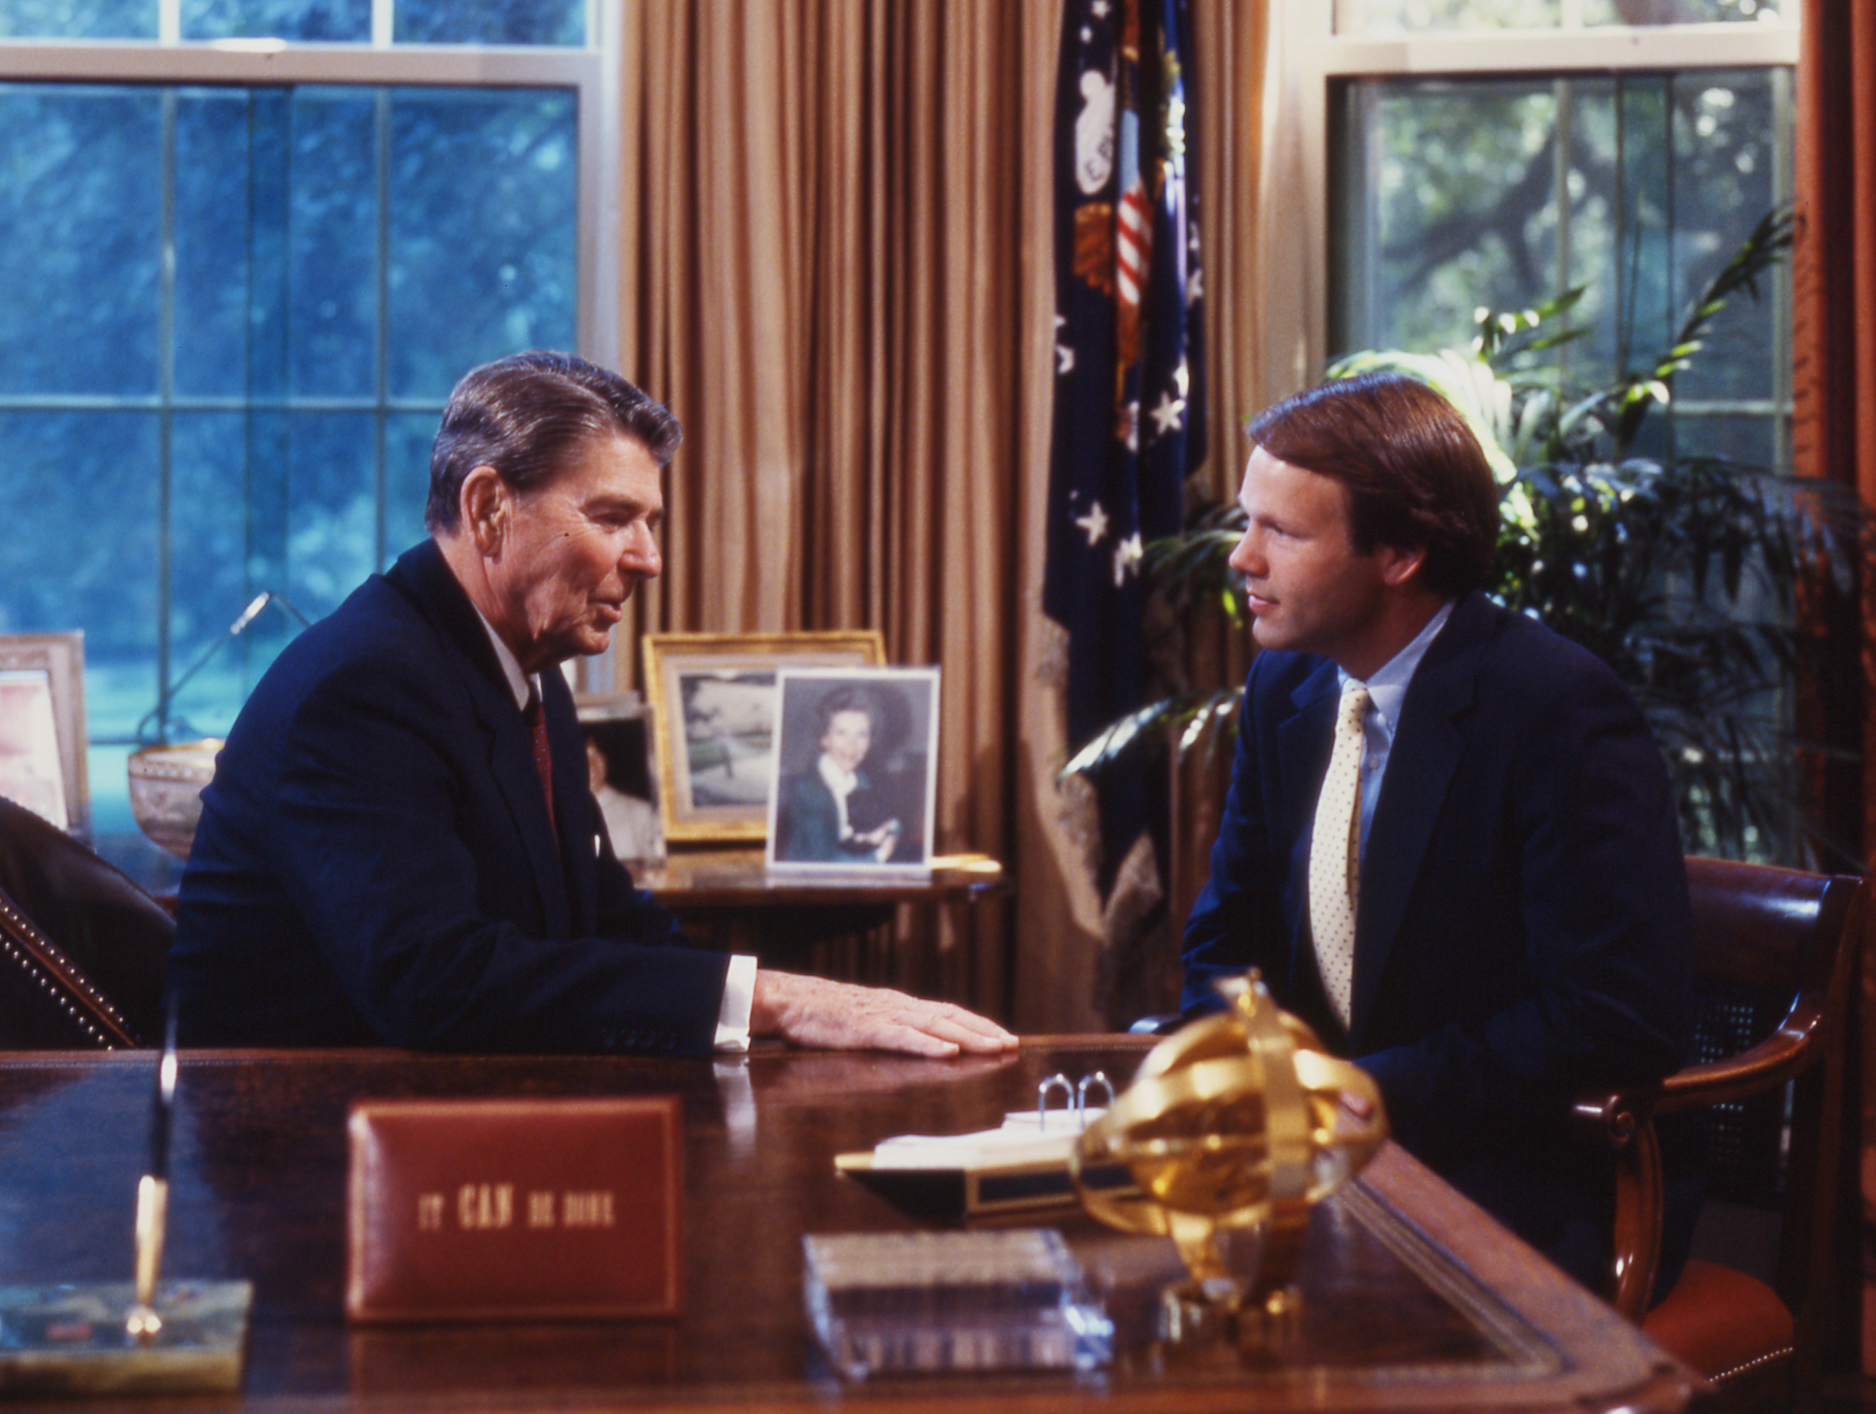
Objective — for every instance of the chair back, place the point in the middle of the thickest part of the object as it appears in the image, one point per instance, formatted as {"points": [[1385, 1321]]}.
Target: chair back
{"points": [[1775, 952], [1773, 956], [1773, 949], [83, 950]]}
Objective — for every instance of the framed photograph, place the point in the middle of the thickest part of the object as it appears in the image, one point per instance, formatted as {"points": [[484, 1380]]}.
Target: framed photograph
{"points": [[622, 776], [858, 758], [713, 718], [45, 673]]}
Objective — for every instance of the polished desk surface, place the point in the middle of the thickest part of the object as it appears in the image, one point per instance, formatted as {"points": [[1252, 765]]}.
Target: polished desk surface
{"points": [[1413, 1299]]}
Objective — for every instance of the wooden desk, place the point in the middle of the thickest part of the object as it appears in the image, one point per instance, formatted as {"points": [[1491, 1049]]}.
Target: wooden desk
{"points": [[1415, 1299], [725, 898]]}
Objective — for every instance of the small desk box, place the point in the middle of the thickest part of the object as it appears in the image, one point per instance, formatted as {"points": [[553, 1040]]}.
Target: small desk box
{"points": [[534, 1209]]}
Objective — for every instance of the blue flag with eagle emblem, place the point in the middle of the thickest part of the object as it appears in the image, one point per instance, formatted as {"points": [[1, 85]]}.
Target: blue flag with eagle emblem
{"points": [[1129, 388]]}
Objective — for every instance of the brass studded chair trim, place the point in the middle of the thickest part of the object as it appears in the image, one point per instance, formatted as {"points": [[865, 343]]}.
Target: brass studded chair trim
{"points": [[47, 996], [81, 939]]}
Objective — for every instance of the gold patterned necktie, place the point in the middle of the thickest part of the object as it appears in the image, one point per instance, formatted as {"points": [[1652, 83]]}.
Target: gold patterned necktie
{"points": [[1335, 854]]}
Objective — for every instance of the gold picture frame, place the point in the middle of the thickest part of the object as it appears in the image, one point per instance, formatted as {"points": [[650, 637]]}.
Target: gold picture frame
{"points": [[712, 698], [61, 657]]}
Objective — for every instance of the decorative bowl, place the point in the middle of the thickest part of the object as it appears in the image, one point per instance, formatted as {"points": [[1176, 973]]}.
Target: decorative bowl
{"points": [[166, 790]]}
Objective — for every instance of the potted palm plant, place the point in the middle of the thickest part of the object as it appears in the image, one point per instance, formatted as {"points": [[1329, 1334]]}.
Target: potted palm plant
{"points": [[1684, 572]]}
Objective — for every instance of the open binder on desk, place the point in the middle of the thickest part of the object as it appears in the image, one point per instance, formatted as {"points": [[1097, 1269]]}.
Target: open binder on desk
{"points": [[1019, 1167]]}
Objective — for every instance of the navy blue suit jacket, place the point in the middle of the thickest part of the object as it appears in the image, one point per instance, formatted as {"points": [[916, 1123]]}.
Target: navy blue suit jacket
{"points": [[1522, 928], [375, 863]]}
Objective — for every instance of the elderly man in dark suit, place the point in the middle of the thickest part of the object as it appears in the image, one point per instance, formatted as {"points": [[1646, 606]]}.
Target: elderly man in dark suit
{"points": [[399, 846], [1481, 897]]}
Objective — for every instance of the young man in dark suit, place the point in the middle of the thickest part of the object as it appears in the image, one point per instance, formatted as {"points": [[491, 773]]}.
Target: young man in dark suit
{"points": [[1492, 914], [399, 846]]}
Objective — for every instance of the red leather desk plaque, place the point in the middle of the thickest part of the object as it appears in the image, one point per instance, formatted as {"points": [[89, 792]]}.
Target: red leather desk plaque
{"points": [[461, 1210]]}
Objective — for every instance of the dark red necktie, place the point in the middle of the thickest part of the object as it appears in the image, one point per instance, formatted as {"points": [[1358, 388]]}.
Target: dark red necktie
{"points": [[543, 756]]}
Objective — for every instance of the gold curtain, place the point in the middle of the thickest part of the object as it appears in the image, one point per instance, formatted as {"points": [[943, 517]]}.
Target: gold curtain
{"points": [[836, 268]]}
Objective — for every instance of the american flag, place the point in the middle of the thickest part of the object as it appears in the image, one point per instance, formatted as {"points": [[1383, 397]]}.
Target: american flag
{"points": [[1129, 386]]}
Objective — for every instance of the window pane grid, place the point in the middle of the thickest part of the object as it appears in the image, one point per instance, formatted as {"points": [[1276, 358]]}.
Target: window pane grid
{"points": [[1391, 17], [252, 355], [380, 23], [99, 402], [1459, 192], [1495, 193], [168, 451]]}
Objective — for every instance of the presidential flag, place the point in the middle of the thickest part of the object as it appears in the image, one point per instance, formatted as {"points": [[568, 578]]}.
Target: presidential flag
{"points": [[1129, 387]]}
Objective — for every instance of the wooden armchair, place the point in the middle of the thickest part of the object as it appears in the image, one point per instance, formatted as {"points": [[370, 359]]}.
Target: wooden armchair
{"points": [[1774, 954], [83, 950]]}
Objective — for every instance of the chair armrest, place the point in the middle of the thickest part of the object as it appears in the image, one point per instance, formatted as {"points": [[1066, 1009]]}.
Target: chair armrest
{"points": [[1624, 1120], [1778, 1058], [1617, 1115]]}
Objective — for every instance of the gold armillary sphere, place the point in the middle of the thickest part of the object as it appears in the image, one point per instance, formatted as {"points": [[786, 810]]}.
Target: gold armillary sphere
{"points": [[1237, 1120]]}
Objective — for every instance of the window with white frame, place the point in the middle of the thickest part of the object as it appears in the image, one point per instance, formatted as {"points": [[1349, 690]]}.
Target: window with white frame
{"points": [[1491, 153], [248, 246]]}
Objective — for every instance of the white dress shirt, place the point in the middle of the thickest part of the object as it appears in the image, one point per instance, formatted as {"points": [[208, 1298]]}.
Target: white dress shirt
{"points": [[1387, 690]]}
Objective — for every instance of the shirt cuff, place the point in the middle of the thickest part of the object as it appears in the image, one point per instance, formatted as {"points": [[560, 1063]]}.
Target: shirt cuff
{"points": [[739, 997]]}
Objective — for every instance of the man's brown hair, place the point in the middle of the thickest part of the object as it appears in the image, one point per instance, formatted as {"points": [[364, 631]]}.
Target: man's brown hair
{"points": [[1416, 477]]}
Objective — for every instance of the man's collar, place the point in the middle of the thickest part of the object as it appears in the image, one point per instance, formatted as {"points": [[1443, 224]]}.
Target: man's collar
{"points": [[1387, 686], [519, 683]]}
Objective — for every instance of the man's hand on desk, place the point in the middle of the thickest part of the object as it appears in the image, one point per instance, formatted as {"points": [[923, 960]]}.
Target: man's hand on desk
{"points": [[813, 1011]]}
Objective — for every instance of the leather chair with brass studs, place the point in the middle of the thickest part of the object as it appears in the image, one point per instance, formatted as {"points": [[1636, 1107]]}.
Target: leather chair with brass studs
{"points": [[83, 950]]}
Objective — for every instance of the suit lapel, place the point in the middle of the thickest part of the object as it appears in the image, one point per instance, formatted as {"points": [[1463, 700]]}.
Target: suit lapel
{"points": [[573, 805], [423, 575], [511, 760], [1429, 743], [1303, 739], [511, 763], [1303, 744]]}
